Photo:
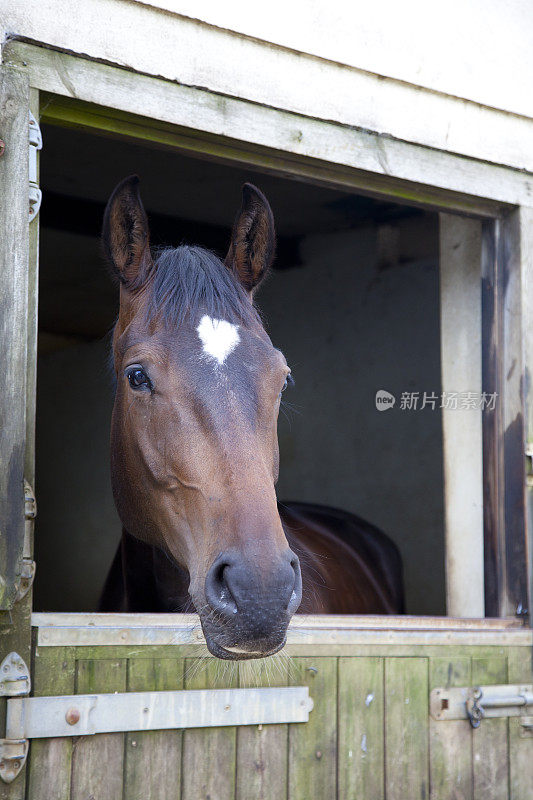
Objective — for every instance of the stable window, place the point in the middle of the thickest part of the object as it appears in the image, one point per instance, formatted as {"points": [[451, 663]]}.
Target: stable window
{"points": [[353, 303]]}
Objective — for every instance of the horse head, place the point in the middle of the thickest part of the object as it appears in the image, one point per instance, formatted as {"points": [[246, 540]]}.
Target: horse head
{"points": [[194, 450]]}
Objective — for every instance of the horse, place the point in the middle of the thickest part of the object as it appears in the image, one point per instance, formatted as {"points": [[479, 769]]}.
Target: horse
{"points": [[194, 449]]}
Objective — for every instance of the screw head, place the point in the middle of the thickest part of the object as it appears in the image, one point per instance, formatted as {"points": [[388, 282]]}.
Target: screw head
{"points": [[72, 716]]}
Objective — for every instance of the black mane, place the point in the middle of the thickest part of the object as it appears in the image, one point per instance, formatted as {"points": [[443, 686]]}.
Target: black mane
{"points": [[187, 280]]}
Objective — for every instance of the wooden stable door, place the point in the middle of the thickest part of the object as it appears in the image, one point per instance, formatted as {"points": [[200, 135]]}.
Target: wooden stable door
{"points": [[374, 730]]}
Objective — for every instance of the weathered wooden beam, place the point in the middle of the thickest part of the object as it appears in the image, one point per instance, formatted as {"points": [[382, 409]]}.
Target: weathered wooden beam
{"points": [[460, 323], [506, 557], [143, 108], [14, 105]]}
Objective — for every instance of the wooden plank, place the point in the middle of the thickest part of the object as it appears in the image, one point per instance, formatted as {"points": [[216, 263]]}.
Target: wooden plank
{"points": [[14, 244], [514, 379], [97, 762], [506, 564], [50, 759], [450, 742], [371, 646], [31, 337], [525, 223], [386, 105], [490, 745], [262, 751], [360, 715], [460, 322], [209, 755], [15, 626], [520, 670], [153, 759], [188, 623], [313, 745], [406, 729], [275, 140]]}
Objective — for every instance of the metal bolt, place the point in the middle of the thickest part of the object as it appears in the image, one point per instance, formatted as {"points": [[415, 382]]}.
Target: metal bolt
{"points": [[16, 765], [227, 708], [145, 710], [312, 670], [72, 716], [318, 754]]}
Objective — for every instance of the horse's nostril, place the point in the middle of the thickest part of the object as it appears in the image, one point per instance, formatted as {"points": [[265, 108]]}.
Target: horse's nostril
{"points": [[217, 590]]}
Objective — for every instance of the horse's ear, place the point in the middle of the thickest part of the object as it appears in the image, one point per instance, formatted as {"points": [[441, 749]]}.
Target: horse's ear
{"points": [[125, 234], [253, 240]]}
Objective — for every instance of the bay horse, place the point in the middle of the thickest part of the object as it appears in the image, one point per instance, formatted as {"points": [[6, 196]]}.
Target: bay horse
{"points": [[194, 450]]}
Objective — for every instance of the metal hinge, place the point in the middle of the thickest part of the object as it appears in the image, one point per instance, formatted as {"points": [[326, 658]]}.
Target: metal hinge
{"points": [[480, 702], [36, 143], [28, 567], [529, 463], [85, 715], [14, 682], [14, 676], [13, 753]]}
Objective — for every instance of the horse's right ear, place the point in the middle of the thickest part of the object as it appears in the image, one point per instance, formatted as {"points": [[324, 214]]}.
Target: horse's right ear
{"points": [[125, 234]]}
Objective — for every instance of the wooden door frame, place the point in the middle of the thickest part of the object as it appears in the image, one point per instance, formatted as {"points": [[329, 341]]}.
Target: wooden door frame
{"points": [[86, 94]]}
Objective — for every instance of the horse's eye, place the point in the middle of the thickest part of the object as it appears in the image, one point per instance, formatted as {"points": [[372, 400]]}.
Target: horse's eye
{"points": [[138, 379], [289, 381]]}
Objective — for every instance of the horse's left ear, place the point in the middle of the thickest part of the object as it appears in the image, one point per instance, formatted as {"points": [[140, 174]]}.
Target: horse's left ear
{"points": [[125, 234], [253, 240]]}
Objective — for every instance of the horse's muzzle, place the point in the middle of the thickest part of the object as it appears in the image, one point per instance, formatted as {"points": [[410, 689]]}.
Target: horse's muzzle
{"points": [[250, 604]]}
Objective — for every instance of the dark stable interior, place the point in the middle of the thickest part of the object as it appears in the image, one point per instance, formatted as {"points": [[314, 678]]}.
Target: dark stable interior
{"points": [[353, 302]]}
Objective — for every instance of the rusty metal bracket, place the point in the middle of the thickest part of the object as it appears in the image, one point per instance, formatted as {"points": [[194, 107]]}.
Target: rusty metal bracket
{"points": [[13, 754]]}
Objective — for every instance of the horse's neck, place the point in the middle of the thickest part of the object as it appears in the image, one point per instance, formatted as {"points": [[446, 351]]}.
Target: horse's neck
{"points": [[152, 582]]}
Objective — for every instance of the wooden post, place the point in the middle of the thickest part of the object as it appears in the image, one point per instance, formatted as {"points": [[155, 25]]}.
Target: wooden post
{"points": [[460, 305], [504, 337], [522, 222], [15, 626]]}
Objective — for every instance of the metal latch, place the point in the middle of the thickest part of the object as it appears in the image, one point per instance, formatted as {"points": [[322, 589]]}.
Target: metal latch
{"points": [[36, 143], [28, 567], [480, 702]]}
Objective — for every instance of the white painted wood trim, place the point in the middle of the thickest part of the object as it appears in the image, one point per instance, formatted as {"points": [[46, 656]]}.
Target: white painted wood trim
{"points": [[460, 320], [290, 143], [160, 42], [83, 630]]}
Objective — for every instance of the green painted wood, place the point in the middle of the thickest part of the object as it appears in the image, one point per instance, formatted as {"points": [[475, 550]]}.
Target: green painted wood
{"points": [[97, 761], [209, 754], [360, 727], [313, 744], [153, 759], [490, 745], [262, 749], [450, 741], [50, 759], [406, 729], [520, 670], [381, 649]]}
